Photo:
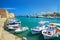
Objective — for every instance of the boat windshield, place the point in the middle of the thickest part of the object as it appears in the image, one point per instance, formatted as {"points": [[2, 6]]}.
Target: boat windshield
{"points": [[37, 28], [40, 25], [13, 23]]}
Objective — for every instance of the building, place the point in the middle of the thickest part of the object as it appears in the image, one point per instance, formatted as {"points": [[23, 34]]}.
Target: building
{"points": [[11, 15], [3, 13]]}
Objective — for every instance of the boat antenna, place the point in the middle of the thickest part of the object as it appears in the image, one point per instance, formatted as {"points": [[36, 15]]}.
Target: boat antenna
{"points": [[57, 9]]}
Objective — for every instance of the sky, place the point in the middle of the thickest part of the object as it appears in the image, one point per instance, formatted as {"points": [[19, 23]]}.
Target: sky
{"points": [[30, 7]]}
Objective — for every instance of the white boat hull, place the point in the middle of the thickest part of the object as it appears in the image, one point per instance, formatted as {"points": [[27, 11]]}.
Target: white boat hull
{"points": [[35, 32], [50, 37], [12, 27], [37, 29], [21, 30]]}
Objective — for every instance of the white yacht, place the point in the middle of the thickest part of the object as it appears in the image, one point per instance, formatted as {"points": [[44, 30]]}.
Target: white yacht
{"points": [[21, 29], [39, 28], [51, 32], [13, 21], [13, 25]]}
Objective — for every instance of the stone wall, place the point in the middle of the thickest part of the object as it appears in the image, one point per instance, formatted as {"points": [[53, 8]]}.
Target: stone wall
{"points": [[4, 35], [3, 13]]}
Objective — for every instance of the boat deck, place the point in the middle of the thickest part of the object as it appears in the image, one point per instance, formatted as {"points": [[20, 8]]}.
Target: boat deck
{"points": [[57, 31]]}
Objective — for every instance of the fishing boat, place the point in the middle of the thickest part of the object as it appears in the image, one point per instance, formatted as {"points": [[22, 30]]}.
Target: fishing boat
{"points": [[51, 32], [21, 29], [12, 24], [13, 27], [16, 26], [39, 28], [13, 21]]}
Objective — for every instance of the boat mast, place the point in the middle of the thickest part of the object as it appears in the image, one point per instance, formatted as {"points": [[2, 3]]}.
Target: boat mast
{"points": [[57, 9]]}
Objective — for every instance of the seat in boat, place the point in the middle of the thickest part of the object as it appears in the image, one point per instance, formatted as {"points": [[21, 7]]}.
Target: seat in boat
{"points": [[57, 31]]}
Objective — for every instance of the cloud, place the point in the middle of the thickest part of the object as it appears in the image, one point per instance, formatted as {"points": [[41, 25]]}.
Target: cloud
{"points": [[8, 8]]}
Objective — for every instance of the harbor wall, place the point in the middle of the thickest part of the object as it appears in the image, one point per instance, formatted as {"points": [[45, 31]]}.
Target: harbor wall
{"points": [[4, 35]]}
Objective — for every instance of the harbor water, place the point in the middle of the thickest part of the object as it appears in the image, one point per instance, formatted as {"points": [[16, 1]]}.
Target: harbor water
{"points": [[33, 22]]}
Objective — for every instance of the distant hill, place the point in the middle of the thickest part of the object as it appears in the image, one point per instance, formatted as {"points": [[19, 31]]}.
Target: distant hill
{"points": [[52, 14]]}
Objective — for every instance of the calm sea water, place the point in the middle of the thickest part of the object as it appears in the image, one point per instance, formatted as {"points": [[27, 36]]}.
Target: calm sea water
{"points": [[33, 22]]}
